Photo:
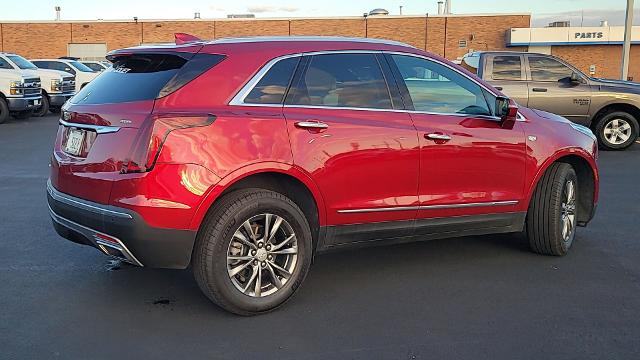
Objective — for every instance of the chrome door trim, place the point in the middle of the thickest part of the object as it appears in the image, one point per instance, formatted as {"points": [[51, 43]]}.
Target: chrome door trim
{"points": [[100, 129], [432, 207], [397, 208]]}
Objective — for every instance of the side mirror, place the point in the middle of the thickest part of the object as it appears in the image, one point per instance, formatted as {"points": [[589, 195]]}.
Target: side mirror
{"points": [[574, 79], [506, 109]]}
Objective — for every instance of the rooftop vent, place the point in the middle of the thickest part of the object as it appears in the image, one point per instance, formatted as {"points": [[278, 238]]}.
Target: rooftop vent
{"points": [[378, 12]]}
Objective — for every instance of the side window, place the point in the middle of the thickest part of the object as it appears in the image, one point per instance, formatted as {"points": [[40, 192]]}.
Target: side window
{"points": [[548, 69], [273, 85], [438, 89], [507, 68], [342, 80], [4, 64]]}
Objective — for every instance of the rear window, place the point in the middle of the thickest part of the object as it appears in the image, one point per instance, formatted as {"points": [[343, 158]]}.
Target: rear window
{"points": [[141, 77], [507, 68]]}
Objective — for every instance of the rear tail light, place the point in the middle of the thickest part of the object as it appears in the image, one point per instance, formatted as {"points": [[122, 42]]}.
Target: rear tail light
{"points": [[153, 134]]}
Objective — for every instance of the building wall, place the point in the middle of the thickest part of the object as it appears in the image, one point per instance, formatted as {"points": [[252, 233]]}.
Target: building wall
{"points": [[606, 58], [434, 33], [438, 34]]}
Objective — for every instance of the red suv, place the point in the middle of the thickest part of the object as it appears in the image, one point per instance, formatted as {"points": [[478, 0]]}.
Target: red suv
{"points": [[245, 157]]}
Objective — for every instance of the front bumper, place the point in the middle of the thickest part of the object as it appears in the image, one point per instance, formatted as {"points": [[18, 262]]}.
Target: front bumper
{"points": [[24, 103], [119, 232], [60, 99]]}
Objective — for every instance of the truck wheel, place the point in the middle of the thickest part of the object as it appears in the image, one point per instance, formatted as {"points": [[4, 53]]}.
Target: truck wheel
{"points": [[252, 252], [616, 130], [4, 110], [552, 216], [44, 108], [21, 115]]}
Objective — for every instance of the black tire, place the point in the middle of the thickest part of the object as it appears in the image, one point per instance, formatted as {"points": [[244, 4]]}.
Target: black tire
{"points": [[55, 109], [545, 216], [212, 243], [607, 118], [21, 115], [44, 108], [4, 110]]}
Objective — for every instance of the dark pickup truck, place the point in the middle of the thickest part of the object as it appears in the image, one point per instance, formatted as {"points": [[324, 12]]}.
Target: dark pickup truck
{"points": [[611, 108]]}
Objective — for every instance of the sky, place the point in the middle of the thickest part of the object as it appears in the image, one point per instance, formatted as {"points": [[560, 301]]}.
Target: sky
{"points": [[585, 12]]}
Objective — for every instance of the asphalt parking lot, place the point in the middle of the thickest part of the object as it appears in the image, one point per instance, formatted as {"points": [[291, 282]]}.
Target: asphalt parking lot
{"points": [[481, 298]]}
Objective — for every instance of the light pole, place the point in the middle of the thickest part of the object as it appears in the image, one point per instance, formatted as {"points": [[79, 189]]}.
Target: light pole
{"points": [[626, 48]]}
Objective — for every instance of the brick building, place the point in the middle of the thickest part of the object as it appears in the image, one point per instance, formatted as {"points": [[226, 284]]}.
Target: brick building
{"points": [[448, 35]]}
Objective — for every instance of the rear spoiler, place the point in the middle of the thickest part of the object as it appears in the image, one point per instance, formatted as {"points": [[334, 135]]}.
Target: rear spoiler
{"points": [[182, 38]]}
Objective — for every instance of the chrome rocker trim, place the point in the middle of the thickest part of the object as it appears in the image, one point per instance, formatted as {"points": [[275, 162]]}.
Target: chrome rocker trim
{"points": [[431, 207]]}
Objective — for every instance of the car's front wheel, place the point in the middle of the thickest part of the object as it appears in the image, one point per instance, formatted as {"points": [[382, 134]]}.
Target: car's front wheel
{"points": [[617, 130], [253, 251], [553, 212]]}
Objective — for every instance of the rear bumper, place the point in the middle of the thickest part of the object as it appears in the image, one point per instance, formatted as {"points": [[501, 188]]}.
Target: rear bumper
{"points": [[21, 104], [60, 99], [119, 232]]}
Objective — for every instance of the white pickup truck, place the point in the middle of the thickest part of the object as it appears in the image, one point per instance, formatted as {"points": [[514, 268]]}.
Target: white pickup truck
{"points": [[57, 86], [20, 92]]}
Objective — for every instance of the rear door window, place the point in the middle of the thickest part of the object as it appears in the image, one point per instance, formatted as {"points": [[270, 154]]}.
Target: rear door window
{"points": [[144, 77], [507, 68], [342, 80], [272, 87]]}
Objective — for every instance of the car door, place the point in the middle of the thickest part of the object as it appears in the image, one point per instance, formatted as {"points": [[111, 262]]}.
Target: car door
{"points": [[362, 154], [506, 73], [551, 88], [471, 163]]}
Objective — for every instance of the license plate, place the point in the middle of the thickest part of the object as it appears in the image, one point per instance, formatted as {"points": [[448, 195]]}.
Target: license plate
{"points": [[75, 140]]}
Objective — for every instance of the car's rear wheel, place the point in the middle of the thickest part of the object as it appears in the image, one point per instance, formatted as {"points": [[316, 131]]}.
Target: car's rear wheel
{"points": [[617, 130], [553, 212], [253, 251], [21, 115], [44, 108], [4, 110]]}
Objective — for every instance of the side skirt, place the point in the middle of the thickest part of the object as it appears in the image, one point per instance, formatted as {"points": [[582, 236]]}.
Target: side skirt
{"points": [[393, 232]]}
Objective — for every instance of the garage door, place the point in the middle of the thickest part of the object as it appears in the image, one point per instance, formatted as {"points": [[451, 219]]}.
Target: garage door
{"points": [[88, 51]]}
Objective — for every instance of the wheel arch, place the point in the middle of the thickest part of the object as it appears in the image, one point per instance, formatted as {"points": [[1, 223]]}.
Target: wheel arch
{"points": [[615, 106], [588, 180], [282, 178]]}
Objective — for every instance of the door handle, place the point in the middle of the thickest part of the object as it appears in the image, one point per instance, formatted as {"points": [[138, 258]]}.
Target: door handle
{"points": [[499, 88], [539, 90], [312, 125], [437, 137]]}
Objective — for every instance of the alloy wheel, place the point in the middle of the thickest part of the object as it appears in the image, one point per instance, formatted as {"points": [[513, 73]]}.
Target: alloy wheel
{"points": [[568, 212], [617, 131], [262, 255]]}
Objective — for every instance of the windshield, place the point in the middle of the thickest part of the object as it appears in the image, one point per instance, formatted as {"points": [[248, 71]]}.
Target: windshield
{"points": [[80, 66], [22, 63]]}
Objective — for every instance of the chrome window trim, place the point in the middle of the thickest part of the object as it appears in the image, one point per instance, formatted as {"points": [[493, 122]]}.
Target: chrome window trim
{"points": [[95, 209], [238, 99], [100, 129], [432, 207]]}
